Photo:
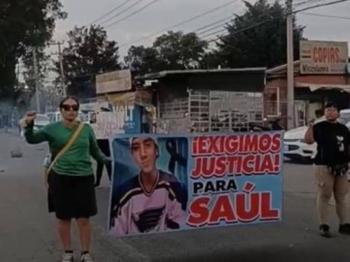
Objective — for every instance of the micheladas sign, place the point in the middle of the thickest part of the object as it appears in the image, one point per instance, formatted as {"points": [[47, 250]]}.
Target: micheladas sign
{"points": [[323, 57]]}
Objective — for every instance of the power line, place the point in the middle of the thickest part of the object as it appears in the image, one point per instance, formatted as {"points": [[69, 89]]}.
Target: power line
{"points": [[270, 20], [326, 16], [180, 23], [241, 30], [320, 5], [122, 11], [133, 13], [110, 12], [305, 2], [212, 26]]}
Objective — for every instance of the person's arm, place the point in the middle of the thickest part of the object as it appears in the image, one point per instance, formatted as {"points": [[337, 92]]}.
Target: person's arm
{"points": [[176, 214], [95, 151], [309, 135], [31, 136]]}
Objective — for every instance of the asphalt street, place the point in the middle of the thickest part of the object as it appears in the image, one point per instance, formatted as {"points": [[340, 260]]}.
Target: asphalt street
{"points": [[27, 231]]}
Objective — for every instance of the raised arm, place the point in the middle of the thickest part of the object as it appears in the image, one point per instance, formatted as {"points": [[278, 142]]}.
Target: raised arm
{"points": [[31, 136]]}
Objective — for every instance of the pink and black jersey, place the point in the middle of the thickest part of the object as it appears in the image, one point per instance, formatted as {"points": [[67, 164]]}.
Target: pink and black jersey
{"points": [[136, 211]]}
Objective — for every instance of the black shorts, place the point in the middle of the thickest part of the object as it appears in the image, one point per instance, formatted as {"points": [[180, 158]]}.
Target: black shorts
{"points": [[71, 196]]}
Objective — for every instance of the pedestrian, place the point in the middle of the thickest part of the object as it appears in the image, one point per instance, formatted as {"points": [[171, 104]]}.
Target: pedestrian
{"points": [[71, 193], [153, 200], [103, 144], [330, 169], [276, 124]]}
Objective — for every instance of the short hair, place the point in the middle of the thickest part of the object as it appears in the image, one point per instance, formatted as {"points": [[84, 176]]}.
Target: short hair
{"points": [[331, 104], [154, 140], [67, 98]]}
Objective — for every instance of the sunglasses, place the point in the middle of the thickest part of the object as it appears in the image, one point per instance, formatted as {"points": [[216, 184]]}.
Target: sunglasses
{"points": [[70, 107]]}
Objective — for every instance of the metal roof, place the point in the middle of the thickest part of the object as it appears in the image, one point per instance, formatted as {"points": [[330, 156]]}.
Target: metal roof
{"points": [[166, 73]]}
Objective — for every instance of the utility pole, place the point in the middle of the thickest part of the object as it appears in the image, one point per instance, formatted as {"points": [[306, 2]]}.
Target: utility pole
{"points": [[60, 58], [290, 66], [36, 79]]}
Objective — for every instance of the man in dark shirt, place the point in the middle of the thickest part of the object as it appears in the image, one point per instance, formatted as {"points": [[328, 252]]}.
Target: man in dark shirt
{"points": [[331, 165]]}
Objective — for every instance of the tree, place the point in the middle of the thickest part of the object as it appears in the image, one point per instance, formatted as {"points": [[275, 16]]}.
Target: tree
{"points": [[180, 51], [171, 51], [142, 60], [24, 24], [256, 38], [89, 52]]}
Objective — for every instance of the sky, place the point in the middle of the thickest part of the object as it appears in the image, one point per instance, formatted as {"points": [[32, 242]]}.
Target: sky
{"points": [[163, 14]]}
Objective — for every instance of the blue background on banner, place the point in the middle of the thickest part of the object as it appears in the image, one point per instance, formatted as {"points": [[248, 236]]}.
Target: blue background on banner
{"points": [[124, 168]]}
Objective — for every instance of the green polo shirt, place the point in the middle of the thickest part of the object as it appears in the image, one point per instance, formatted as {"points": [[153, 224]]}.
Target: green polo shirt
{"points": [[76, 161]]}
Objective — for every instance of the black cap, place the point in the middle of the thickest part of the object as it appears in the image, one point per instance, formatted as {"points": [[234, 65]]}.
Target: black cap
{"points": [[331, 104]]}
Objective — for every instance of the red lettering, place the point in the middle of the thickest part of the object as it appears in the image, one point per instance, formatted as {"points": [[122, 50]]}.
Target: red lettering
{"points": [[267, 212], [195, 146], [231, 144], [247, 206], [267, 164], [337, 55], [202, 145], [199, 212], [251, 143], [277, 163], [213, 145], [220, 167], [197, 171], [222, 210], [264, 143], [276, 143], [248, 164]]}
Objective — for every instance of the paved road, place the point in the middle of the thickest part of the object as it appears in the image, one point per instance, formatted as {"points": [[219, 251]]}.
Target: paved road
{"points": [[26, 230]]}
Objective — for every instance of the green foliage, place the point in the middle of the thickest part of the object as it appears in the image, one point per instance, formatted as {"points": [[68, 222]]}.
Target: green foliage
{"points": [[89, 52], [23, 24], [256, 38], [171, 51]]}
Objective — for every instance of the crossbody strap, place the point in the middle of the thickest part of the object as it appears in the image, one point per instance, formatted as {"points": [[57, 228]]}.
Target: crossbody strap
{"points": [[70, 142]]}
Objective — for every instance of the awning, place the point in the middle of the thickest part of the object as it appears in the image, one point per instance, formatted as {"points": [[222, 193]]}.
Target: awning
{"points": [[314, 87]]}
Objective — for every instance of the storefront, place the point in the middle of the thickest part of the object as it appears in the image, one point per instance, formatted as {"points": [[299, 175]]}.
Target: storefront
{"points": [[315, 83]]}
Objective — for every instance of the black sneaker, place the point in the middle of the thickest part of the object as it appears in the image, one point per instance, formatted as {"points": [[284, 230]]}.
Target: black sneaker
{"points": [[344, 229], [324, 231]]}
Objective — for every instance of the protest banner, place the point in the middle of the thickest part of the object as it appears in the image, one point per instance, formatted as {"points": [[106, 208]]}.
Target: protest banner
{"points": [[163, 183]]}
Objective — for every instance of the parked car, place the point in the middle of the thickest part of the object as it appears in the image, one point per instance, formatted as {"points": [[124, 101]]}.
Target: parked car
{"points": [[295, 147], [40, 121]]}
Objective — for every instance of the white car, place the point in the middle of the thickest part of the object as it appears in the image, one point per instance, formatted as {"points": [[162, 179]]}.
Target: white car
{"points": [[295, 147], [40, 121]]}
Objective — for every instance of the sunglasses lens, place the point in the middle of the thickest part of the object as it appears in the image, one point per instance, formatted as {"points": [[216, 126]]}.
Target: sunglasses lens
{"points": [[69, 107]]}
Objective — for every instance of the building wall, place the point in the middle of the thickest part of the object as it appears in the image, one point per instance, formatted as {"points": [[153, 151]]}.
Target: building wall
{"points": [[306, 102], [209, 103]]}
